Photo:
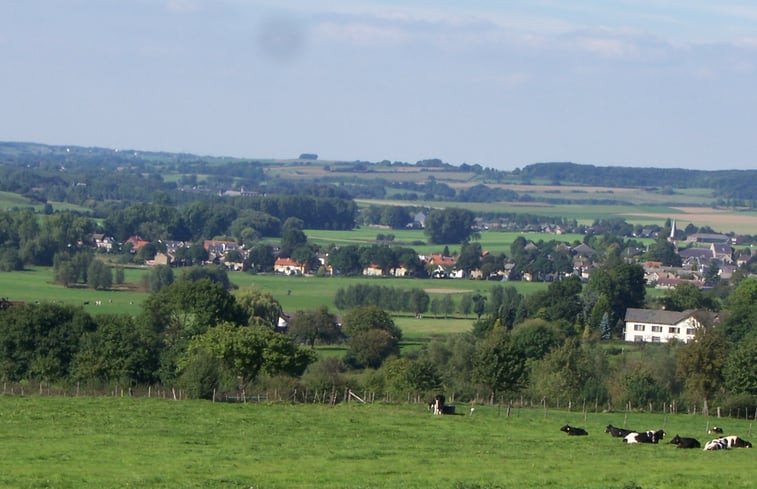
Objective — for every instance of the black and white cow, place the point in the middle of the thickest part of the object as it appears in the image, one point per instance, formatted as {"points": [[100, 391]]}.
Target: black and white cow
{"points": [[618, 432], [644, 437], [716, 429], [436, 406], [727, 442], [683, 442], [573, 431]]}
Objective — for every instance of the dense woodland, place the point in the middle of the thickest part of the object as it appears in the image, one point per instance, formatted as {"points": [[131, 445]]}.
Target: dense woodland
{"points": [[194, 333]]}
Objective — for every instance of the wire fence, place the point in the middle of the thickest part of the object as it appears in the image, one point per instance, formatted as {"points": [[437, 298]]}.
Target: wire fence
{"points": [[339, 395]]}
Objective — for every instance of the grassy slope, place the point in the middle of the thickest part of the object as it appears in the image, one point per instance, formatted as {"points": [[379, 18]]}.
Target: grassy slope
{"points": [[143, 443], [10, 200], [294, 293]]}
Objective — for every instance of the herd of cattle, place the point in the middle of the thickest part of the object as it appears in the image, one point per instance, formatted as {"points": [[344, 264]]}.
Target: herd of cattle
{"points": [[631, 436], [437, 406]]}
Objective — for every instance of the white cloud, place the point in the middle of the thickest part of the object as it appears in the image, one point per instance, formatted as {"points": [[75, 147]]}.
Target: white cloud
{"points": [[362, 33], [745, 42], [606, 47]]}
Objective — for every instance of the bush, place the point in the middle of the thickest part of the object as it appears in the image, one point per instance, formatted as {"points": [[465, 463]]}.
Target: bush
{"points": [[737, 405], [202, 375]]}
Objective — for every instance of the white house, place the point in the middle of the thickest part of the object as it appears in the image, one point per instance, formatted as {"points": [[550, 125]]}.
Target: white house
{"points": [[657, 326]]}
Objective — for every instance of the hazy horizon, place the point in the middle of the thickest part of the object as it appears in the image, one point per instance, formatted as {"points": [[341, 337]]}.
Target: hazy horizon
{"points": [[652, 83]]}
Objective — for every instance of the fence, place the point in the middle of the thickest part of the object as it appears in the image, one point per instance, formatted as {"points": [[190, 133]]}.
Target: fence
{"points": [[335, 395]]}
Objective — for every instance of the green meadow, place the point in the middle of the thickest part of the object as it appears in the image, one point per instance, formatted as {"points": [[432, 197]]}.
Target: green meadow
{"points": [[10, 200], [294, 293], [492, 241], [105, 442]]}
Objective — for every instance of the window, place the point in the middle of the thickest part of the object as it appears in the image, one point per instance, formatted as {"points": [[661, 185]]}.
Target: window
{"points": [[638, 338], [638, 327], [657, 329], [673, 330], [690, 331], [655, 339]]}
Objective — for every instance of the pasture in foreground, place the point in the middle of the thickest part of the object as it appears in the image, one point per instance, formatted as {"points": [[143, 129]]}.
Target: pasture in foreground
{"points": [[154, 443]]}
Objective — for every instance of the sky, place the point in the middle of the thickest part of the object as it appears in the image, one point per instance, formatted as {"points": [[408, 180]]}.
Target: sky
{"points": [[503, 84]]}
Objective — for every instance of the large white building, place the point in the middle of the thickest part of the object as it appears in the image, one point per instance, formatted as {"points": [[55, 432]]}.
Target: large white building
{"points": [[657, 326]]}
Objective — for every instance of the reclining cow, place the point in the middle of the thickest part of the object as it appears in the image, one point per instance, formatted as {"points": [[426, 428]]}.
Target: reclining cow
{"points": [[683, 442], [727, 442], [618, 432], [573, 431], [644, 437]]}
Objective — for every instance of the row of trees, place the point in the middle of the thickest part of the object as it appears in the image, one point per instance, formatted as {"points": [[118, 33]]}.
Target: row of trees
{"points": [[197, 336]]}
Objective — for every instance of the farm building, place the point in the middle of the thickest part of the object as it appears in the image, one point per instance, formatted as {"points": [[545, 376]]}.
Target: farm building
{"points": [[659, 326]]}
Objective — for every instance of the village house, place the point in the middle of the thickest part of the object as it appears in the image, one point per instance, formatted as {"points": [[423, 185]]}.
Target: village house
{"points": [[103, 243], [373, 270], [137, 243], [287, 266], [659, 326]]}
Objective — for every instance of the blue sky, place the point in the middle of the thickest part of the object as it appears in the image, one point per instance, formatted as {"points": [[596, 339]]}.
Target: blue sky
{"points": [[665, 83]]}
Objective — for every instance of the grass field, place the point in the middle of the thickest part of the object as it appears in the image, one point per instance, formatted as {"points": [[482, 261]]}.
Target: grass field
{"points": [[685, 212], [492, 241], [56, 442], [35, 284], [10, 200]]}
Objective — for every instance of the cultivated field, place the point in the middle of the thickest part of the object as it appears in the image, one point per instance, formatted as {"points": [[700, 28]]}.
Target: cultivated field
{"points": [[99, 443], [685, 212]]}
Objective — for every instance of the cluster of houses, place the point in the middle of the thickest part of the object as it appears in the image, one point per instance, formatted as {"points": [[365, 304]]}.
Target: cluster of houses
{"points": [[698, 253]]}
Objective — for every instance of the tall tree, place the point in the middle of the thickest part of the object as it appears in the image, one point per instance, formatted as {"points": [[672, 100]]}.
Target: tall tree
{"points": [[622, 283], [742, 304], [739, 371], [314, 325], [701, 362], [259, 307], [498, 364], [688, 296], [183, 310], [449, 225]]}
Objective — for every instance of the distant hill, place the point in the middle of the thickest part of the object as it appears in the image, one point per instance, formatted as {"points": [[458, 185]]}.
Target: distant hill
{"points": [[62, 167]]}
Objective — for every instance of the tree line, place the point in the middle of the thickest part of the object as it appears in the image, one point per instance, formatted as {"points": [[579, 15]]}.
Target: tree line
{"points": [[196, 335]]}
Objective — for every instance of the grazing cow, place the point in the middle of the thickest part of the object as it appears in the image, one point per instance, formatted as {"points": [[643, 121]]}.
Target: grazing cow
{"points": [[618, 432], [437, 406], [573, 431], [727, 442], [644, 437], [682, 442]]}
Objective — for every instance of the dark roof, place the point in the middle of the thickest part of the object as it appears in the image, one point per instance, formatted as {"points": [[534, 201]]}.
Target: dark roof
{"points": [[657, 316], [695, 253], [584, 249]]}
